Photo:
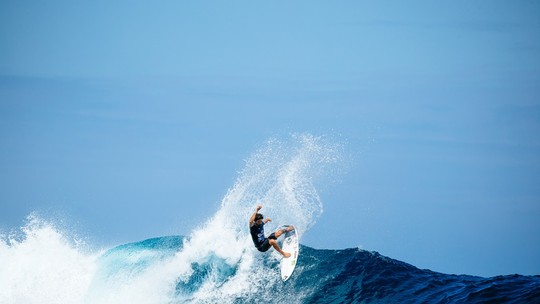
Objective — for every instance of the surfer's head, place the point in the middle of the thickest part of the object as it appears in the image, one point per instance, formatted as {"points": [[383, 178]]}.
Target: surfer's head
{"points": [[258, 218]]}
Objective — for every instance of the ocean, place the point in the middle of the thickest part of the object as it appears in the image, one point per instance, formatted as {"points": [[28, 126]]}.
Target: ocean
{"points": [[217, 263], [47, 268]]}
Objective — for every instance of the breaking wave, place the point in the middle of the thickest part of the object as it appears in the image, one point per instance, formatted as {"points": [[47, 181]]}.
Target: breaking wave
{"points": [[217, 263]]}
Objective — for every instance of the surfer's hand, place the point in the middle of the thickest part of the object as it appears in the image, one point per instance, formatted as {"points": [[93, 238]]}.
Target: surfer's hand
{"points": [[259, 207], [268, 219]]}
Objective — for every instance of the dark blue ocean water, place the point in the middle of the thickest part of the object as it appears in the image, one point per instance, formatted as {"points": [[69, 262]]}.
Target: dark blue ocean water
{"points": [[321, 276]]}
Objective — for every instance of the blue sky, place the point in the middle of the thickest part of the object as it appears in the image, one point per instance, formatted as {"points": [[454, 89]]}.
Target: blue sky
{"points": [[131, 119]]}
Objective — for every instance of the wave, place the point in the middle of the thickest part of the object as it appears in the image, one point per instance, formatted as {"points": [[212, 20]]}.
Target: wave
{"points": [[326, 276], [218, 263], [148, 272]]}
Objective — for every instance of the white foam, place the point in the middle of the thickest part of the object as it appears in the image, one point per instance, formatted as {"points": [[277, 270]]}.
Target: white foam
{"points": [[43, 267], [280, 176]]}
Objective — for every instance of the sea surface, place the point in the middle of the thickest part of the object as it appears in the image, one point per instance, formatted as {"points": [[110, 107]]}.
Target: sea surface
{"points": [[217, 263], [168, 270], [321, 276]]}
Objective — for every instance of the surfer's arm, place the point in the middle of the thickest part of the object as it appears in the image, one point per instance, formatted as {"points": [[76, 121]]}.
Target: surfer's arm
{"points": [[252, 218], [266, 220]]}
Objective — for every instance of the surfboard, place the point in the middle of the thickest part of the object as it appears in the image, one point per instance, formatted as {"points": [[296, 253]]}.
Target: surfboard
{"points": [[290, 245]]}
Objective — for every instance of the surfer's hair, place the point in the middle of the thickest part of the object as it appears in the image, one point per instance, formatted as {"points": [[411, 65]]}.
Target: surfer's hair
{"points": [[258, 217]]}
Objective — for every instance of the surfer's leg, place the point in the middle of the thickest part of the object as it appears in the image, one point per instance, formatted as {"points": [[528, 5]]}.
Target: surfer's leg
{"points": [[278, 249], [282, 231]]}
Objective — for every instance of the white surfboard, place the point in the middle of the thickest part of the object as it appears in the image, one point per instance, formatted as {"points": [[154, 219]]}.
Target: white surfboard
{"points": [[290, 245]]}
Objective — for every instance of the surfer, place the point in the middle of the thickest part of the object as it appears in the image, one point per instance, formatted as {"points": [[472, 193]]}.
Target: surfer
{"points": [[256, 228]]}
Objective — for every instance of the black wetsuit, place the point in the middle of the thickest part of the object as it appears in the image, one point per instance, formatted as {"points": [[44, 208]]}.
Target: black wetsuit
{"points": [[257, 235]]}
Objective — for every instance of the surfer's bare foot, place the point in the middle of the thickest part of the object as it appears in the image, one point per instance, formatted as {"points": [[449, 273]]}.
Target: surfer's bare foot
{"points": [[290, 228], [286, 255]]}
